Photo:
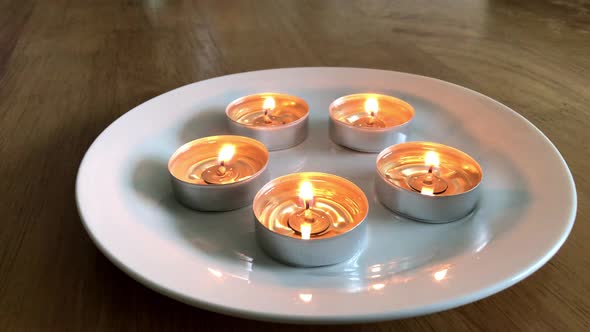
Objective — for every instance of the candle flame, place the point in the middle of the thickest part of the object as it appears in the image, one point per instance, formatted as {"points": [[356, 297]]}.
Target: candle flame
{"points": [[431, 159], [306, 191], [226, 153], [269, 103], [305, 231], [371, 106]]}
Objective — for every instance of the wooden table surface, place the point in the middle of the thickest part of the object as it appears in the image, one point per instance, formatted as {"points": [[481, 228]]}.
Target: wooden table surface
{"points": [[69, 68]]}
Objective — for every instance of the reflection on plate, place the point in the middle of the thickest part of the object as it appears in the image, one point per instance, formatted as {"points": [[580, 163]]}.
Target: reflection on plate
{"points": [[211, 260]]}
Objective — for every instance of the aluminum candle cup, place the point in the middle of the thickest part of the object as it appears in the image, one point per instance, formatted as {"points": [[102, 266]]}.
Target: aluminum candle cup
{"points": [[428, 182], [277, 120], [310, 219], [369, 122], [218, 173]]}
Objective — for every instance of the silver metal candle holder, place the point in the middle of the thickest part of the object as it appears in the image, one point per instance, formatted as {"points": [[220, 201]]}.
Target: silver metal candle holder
{"points": [[324, 230], [278, 120], [201, 182], [369, 122], [409, 186]]}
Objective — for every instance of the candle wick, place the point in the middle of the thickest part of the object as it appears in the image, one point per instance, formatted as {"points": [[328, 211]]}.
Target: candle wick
{"points": [[307, 214], [221, 169], [371, 118], [266, 117], [429, 177]]}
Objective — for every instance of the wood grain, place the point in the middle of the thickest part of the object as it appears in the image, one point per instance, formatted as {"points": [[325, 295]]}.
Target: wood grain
{"points": [[69, 68]]}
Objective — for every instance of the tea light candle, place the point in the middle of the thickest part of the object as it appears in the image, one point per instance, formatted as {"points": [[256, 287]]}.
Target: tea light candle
{"points": [[310, 219], [218, 173], [277, 120], [369, 122], [428, 181]]}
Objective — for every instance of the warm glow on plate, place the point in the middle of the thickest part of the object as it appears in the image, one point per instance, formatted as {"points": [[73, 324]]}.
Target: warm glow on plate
{"points": [[378, 286], [440, 275], [214, 272], [305, 297]]}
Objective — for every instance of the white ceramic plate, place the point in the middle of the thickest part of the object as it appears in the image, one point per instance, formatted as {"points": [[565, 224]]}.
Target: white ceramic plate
{"points": [[211, 260]]}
